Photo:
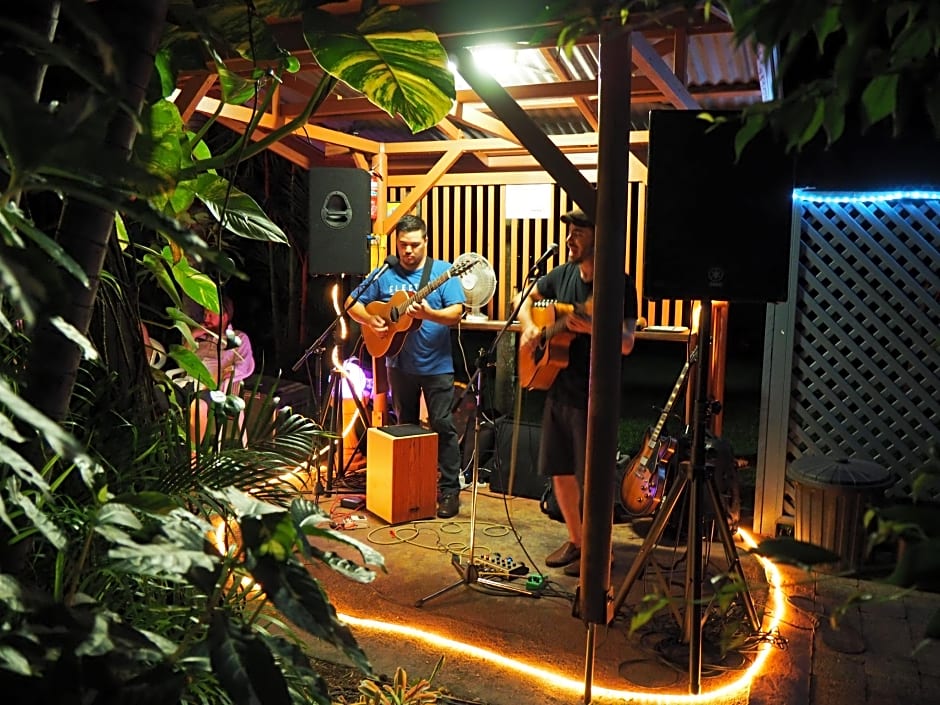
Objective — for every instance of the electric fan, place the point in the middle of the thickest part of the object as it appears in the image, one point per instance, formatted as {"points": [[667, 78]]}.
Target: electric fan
{"points": [[478, 282]]}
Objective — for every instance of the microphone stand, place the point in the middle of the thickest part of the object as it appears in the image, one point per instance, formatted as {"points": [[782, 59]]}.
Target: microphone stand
{"points": [[473, 573], [333, 406]]}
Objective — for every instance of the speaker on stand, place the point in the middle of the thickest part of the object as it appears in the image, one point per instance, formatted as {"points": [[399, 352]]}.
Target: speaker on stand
{"points": [[340, 221], [717, 227]]}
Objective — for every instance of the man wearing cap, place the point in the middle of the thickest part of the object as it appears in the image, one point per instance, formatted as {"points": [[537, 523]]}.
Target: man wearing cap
{"points": [[563, 439]]}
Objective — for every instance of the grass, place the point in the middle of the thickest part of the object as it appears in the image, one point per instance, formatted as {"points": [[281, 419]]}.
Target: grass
{"points": [[650, 374]]}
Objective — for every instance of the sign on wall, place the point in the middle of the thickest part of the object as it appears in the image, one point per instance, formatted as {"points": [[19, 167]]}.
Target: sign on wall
{"points": [[529, 200]]}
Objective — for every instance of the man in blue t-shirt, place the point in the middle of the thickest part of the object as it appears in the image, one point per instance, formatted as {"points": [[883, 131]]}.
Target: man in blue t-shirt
{"points": [[563, 438], [424, 363]]}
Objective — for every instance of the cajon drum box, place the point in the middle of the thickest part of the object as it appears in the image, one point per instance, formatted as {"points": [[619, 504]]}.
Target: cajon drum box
{"points": [[401, 476]]}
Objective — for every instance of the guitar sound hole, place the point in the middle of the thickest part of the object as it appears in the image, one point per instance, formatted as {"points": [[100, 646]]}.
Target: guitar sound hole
{"points": [[393, 315]]}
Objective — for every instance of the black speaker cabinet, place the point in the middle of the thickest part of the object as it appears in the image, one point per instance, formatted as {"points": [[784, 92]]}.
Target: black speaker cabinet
{"points": [[716, 228], [526, 482], [340, 221]]}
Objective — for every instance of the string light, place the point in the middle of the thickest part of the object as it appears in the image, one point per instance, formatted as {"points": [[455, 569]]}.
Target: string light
{"points": [[334, 295], [737, 691], [811, 196]]}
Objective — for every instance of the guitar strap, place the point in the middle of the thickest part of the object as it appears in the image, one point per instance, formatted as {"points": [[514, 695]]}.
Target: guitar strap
{"points": [[426, 274]]}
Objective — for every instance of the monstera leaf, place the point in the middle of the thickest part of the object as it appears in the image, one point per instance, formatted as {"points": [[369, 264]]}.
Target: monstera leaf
{"points": [[389, 58]]}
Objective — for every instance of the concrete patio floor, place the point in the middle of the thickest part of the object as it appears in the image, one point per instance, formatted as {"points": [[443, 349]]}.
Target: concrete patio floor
{"points": [[868, 659]]}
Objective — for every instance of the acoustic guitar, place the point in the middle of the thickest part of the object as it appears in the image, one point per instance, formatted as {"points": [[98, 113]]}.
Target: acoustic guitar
{"points": [[393, 312], [539, 365], [645, 477]]}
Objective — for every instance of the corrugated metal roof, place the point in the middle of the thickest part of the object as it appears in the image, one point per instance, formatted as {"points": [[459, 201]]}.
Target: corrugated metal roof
{"points": [[713, 60], [718, 74]]}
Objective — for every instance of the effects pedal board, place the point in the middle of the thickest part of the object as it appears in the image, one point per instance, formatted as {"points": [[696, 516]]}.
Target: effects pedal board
{"points": [[502, 566]]}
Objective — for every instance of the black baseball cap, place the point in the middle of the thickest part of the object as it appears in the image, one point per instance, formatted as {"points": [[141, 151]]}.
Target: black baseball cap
{"points": [[577, 216]]}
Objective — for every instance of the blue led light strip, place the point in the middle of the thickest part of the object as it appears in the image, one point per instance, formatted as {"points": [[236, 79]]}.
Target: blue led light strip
{"points": [[810, 196]]}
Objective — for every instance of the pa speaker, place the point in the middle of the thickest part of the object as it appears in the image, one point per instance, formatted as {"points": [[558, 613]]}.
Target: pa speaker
{"points": [[717, 228], [340, 221]]}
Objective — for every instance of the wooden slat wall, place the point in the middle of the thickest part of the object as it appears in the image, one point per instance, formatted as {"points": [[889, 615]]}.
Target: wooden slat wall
{"points": [[473, 219]]}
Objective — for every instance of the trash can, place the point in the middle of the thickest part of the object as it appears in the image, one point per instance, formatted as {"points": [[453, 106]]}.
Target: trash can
{"points": [[831, 498]]}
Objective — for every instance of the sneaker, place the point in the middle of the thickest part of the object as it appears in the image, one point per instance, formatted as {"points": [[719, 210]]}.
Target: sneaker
{"points": [[448, 505]]}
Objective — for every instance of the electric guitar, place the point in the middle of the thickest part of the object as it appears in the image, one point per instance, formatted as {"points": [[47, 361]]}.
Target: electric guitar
{"points": [[539, 365], [645, 478], [393, 313]]}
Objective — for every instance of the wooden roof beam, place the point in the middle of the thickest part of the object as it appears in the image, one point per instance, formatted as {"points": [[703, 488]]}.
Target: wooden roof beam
{"points": [[192, 90], [475, 118], [309, 131], [492, 144], [657, 70], [303, 155], [583, 103], [421, 189], [334, 105]]}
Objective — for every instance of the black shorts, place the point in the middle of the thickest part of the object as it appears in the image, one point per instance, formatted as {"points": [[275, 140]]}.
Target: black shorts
{"points": [[563, 441]]}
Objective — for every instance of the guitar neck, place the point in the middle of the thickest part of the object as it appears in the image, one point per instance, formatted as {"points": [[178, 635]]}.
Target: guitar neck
{"points": [[658, 428], [432, 285], [421, 293]]}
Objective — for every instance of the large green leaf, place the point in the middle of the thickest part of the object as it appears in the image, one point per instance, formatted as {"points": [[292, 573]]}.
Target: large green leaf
{"points": [[60, 440], [197, 286], [311, 684], [300, 598], [243, 216], [389, 58], [244, 665], [308, 518], [157, 266], [158, 147], [192, 365], [22, 467], [76, 336], [43, 524], [235, 26], [879, 98]]}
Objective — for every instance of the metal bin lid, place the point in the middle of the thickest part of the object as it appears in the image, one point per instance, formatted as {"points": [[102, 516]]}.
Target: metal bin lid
{"points": [[823, 471]]}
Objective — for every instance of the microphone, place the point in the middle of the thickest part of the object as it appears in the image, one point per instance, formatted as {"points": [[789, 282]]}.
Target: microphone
{"points": [[390, 261], [537, 267]]}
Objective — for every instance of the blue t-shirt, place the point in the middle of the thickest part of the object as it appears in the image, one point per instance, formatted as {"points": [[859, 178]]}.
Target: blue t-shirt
{"points": [[426, 351]]}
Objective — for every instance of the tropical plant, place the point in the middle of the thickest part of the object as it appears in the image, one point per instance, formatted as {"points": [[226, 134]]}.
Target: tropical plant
{"points": [[216, 625], [399, 691], [111, 588]]}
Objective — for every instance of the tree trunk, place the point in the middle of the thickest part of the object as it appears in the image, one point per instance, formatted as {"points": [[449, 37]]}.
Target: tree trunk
{"points": [[137, 26]]}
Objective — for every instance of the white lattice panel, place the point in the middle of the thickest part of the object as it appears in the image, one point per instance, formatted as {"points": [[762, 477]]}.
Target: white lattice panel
{"points": [[864, 316]]}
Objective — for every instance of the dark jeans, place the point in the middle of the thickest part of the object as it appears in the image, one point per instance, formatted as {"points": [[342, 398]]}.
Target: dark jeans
{"points": [[439, 397]]}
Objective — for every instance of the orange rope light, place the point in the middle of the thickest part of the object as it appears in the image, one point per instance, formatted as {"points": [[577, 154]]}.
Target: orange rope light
{"points": [[735, 692]]}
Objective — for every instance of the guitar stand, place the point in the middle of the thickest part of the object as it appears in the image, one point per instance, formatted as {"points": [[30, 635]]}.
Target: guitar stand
{"points": [[699, 480], [475, 572]]}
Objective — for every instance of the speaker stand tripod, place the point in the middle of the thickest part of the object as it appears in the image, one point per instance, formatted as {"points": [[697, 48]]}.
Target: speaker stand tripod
{"points": [[474, 573], [699, 481]]}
